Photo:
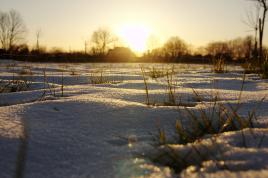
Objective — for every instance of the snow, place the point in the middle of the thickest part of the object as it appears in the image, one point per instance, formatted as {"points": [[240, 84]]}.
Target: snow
{"points": [[96, 130]]}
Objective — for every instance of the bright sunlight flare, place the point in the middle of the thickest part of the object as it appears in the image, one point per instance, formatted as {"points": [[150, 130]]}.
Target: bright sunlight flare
{"points": [[135, 36]]}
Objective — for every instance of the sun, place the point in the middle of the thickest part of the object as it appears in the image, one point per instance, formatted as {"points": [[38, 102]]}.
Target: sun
{"points": [[135, 36]]}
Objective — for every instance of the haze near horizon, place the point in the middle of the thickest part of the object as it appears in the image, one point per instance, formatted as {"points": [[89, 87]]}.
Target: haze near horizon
{"points": [[67, 24]]}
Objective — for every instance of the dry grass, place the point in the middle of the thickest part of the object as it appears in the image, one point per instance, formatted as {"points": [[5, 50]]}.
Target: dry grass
{"points": [[218, 65], [156, 73], [204, 122], [26, 70], [21, 84], [51, 88], [173, 99], [146, 86], [73, 72], [97, 77]]}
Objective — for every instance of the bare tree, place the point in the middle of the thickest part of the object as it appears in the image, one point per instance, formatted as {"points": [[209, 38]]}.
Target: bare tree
{"points": [[4, 30], [241, 48], [218, 49], [252, 22], [85, 47], [38, 34], [102, 40], [263, 4], [175, 47], [12, 29]]}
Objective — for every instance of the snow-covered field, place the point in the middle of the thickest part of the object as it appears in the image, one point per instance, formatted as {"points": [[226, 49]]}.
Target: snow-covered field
{"points": [[95, 130]]}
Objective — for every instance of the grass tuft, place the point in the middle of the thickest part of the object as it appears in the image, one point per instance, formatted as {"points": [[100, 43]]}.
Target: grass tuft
{"points": [[202, 123], [146, 86], [156, 73], [218, 65], [97, 78]]}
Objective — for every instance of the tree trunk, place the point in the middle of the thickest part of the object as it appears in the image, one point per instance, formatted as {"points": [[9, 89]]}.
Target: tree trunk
{"points": [[260, 42]]}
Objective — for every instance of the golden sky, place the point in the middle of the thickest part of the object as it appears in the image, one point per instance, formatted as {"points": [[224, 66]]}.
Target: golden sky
{"points": [[68, 23]]}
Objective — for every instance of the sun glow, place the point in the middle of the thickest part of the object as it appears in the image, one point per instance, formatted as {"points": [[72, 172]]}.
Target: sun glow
{"points": [[135, 37]]}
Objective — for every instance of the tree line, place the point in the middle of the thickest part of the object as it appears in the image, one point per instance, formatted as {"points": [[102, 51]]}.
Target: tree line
{"points": [[104, 43]]}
